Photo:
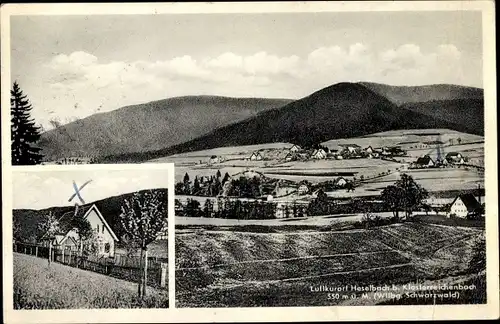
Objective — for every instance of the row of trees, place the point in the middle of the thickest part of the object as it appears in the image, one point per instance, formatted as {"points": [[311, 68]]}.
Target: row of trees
{"points": [[231, 209], [213, 186], [209, 186]]}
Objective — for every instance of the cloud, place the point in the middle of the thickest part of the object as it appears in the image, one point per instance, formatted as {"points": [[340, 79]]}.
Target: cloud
{"points": [[81, 80]]}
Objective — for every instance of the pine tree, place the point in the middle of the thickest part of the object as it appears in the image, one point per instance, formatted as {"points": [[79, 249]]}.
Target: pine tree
{"points": [[24, 133]]}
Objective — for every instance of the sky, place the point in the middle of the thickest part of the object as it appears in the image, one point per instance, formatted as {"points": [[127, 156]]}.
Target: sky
{"points": [[43, 189], [75, 66]]}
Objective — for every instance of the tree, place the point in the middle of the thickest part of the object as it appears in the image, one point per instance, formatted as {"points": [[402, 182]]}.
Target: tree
{"points": [[187, 184], [49, 227], [393, 198], [143, 216], [83, 228], [208, 208], [218, 174], [226, 177], [409, 194], [24, 133], [196, 185], [459, 140]]}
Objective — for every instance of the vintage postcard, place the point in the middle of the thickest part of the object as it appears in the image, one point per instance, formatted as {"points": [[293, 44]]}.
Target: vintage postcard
{"points": [[326, 160]]}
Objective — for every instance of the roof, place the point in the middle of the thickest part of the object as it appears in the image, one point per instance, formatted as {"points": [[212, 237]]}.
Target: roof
{"points": [[453, 154], [351, 145], [434, 142], [469, 201], [424, 160]]}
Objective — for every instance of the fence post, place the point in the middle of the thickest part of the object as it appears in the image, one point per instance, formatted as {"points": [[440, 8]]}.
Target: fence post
{"points": [[163, 277], [36, 251], [69, 257]]}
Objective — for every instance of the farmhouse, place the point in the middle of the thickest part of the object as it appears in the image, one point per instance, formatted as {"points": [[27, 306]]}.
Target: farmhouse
{"points": [[303, 189], [105, 235], [455, 157], [369, 149], [425, 161], [350, 148], [341, 181], [215, 159], [319, 154], [295, 148], [256, 156], [61, 241], [464, 205]]}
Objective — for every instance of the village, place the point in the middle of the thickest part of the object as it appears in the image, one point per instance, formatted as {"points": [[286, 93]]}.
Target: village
{"points": [[208, 195]]}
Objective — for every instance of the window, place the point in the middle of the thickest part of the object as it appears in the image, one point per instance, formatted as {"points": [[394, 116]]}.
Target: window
{"points": [[107, 247], [103, 228]]}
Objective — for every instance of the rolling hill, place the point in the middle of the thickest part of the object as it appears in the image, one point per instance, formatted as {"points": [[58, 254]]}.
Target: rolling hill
{"points": [[150, 126], [412, 94], [343, 110]]}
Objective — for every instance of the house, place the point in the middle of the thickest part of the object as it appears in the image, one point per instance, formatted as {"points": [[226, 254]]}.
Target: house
{"points": [[319, 154], [106, 237], [464, 205], [350, 148], [256, 156], [425, 161], [341, 181], [61, 242], [369, 150], [295, 148], [215, 159], [455, 157], [303, 189]]}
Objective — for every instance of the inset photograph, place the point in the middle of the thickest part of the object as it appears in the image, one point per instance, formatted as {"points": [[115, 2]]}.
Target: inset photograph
{"points": [[90, 237]]}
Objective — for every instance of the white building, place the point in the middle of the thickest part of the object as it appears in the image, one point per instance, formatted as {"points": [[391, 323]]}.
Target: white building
{"points": [[319, 154], [464, 205]]}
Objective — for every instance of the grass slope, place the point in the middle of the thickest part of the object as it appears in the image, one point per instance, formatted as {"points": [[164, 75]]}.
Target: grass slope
{"points": [[242, 269], [150, 126], [36, 286]]}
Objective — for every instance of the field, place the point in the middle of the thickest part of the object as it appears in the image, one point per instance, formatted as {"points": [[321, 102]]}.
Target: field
{"points": [[316, 171], [241, 269], [36, 286]]}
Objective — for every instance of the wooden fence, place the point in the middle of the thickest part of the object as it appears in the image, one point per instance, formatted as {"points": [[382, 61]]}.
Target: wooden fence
{"points": [[121, 266]]}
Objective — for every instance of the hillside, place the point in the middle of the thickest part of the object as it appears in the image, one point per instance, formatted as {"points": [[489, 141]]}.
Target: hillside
{"points": [[411, 94], [343, 110], [469, 113], [27, 220], [150, 126]]}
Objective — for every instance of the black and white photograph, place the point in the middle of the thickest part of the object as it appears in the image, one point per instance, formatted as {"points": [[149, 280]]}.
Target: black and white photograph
{"points": [[90, 238], [324, 154]]}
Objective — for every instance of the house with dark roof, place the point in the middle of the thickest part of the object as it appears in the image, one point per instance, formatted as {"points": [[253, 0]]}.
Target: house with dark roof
{"points": [[425, 162], [295, 148], [464, 205], [350, 148], [455, 157], [68, 236]]}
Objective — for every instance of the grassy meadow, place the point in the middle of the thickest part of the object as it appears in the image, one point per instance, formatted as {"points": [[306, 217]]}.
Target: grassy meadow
{"points": [[36, 286]]}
